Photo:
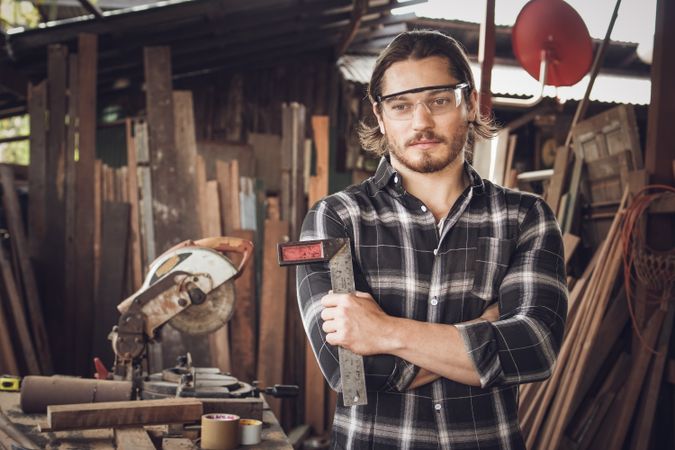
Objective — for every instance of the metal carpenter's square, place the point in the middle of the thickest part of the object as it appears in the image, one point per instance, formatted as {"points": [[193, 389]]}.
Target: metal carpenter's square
{"points": [[338, 254]]}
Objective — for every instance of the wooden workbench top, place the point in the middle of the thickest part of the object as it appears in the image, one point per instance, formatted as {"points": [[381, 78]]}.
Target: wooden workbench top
{"points": [[273, 437]]}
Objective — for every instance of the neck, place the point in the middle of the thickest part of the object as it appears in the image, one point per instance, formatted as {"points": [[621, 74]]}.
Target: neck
{"points": [[437, 190]]}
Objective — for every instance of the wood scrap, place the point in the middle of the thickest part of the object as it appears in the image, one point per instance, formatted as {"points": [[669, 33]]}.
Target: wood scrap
{"points": [[120, 414], [178, 444], [133, 438]]}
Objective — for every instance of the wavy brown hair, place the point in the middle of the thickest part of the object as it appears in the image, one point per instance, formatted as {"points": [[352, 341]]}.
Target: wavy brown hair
{"points": [[419, 44]]}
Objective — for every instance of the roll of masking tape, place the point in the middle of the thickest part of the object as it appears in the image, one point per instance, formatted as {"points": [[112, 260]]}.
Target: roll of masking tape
{"points": [[220, 432], [250, 431]]}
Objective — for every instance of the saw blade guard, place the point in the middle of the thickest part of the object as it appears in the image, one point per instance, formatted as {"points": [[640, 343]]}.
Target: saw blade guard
{"points": [[204, 269]]}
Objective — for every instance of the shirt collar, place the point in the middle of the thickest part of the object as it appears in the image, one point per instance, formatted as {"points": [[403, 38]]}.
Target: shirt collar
{"points": [[385, 172]]}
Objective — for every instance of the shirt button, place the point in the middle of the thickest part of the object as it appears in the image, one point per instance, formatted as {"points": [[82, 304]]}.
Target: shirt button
{"points": [[434, 302], [396, 179], [423, 208], [435, 251], [437, 406]]}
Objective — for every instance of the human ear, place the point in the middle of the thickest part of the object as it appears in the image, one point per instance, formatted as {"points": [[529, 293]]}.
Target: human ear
{"points": [[378, 115], [473, 106]]}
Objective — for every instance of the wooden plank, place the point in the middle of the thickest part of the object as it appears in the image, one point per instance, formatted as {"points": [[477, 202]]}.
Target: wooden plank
{"points": [[87, 62], [558, 183], [567, 218], [37, 226], [645, 415], [172, 204], [570, 244], [178, 444], [8, 361], [219, 340], [266, 148], [17, 312], [510, 154], [16, 230], [119, 414], [98, 212], [233, 191], [145, 192], [315, 385], [635, 381], [54, 249], [223, 174], [243, 323], [319, 182], [271, 345], [70, 281], [114, 238], [134, 213], [133, 438]]}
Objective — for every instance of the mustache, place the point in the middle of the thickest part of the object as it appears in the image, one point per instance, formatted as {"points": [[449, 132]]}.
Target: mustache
{"points": [[427, 136]]}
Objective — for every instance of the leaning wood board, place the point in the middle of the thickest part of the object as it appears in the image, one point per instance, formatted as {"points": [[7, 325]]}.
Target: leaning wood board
{"points": [[119, 414], [242, 325], [272, 310], [16, 230]]}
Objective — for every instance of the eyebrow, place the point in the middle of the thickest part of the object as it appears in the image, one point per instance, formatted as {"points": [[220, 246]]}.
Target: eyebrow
{"points": [[381, 98]]}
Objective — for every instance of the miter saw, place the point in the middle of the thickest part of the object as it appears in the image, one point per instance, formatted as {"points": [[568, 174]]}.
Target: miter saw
{"points": [[191, 287]]}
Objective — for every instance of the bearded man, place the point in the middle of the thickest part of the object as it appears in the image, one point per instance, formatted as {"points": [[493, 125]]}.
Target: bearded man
{"points": [[461, 292]]}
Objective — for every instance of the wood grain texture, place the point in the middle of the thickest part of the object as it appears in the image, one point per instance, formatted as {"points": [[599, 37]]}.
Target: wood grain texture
{"points": [[119, 414], [133, 438], [37, 111], [271, 349], [243, 323]]}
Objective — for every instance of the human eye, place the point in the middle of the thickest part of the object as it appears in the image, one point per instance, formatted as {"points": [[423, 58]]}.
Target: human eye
{"points": [[400, 106], [441, 101]]}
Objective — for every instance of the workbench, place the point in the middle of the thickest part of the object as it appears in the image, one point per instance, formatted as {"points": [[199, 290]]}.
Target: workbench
{"points": [[273, 437]]}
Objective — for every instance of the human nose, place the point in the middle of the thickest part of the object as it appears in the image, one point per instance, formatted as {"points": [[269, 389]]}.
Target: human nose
{"points": [[422, 118]]}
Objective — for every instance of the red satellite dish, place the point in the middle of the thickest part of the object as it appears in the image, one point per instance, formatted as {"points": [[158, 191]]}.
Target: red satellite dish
{"points": [[551, 30]]}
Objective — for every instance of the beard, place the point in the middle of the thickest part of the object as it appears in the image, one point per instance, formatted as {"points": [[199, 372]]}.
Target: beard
{"points": [[427, 162]]}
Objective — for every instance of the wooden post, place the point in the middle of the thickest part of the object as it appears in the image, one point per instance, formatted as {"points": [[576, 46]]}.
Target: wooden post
{"points": [[174, 201], [37, 228], [54, 249]]}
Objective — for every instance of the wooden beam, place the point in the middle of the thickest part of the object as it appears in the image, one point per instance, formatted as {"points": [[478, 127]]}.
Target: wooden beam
{"points": [[134, 211], [120, 414], [37, 110], [486, 56], [659, 154], [87, 58], [360, 7], [92, 8], [54, 248]]}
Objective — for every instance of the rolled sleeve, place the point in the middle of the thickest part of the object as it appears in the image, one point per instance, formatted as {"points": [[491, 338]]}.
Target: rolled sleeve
{"points": [[383, 372], [522, 346]]}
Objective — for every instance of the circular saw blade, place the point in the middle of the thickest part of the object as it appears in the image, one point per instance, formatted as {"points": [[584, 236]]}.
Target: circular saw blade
{"points": [[210, 315]]}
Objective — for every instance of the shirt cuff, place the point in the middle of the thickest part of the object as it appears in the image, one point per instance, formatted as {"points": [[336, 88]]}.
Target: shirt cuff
{"points": [[481, 346]]}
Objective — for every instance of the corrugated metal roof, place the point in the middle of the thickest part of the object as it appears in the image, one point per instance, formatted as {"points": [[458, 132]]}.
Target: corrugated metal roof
{"points": [[514, 81]]}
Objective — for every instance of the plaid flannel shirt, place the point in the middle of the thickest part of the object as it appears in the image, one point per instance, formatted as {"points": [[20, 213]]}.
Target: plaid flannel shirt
{"points": [[495, 245]]}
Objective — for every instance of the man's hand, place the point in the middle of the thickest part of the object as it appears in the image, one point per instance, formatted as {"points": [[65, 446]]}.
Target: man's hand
{"points": [[355, 322]]}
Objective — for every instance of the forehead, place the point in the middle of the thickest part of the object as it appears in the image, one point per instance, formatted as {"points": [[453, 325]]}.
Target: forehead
{"points": [[414, 73]]}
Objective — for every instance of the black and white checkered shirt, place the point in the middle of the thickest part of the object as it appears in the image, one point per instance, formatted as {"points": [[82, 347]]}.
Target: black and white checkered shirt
{"points": [[495, 245]]}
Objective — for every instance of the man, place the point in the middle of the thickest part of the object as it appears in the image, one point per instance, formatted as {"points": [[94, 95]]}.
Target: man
{"points": [[461, 283]]}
